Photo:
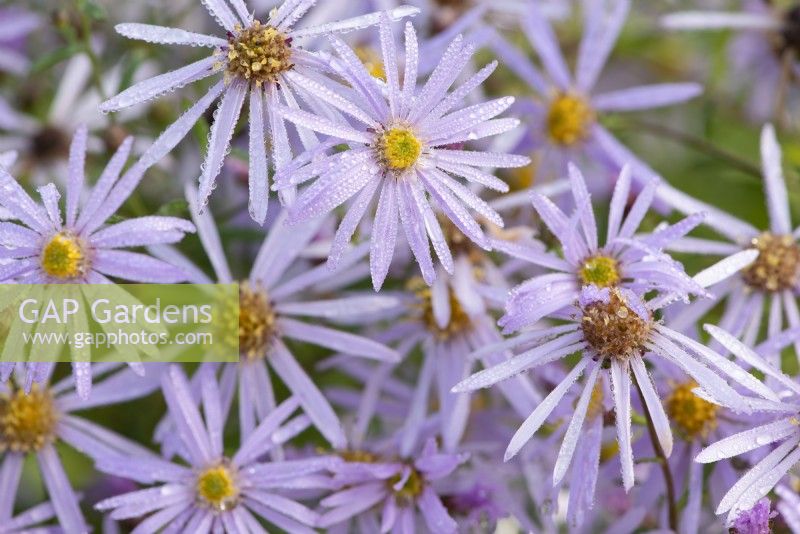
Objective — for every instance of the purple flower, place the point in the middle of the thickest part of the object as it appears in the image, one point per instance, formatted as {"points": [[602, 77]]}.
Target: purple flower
{"points": [[635, 262], [563, 117], [398, 487], [781, 403], [44, 248], [261, 60], [755, 520], [406, 145], [763, 54], [615, 332], [32, 423], [767, 287], [282, 287], [216, 491]]}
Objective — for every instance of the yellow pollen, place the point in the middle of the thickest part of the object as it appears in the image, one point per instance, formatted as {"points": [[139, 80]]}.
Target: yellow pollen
{"points": [[778, 263], [411, 489], [256, 321], [27, 421], [568, 119], [614, 330], [694, 416], [259, 54], [372, 62], [601, 271], [459, 319], [399, 148], [63, 256], [216, 487]]}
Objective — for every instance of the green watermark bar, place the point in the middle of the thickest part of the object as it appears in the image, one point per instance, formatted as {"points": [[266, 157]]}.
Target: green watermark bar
{"points": [[119, 323]]}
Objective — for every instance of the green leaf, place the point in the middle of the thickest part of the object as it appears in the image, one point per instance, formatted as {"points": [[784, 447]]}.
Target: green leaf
{"points": [[175, 208], [51, 59]]}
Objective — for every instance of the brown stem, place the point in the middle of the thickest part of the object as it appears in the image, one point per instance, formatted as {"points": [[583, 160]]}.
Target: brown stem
{"points": [[699, 144], [662, 459]]}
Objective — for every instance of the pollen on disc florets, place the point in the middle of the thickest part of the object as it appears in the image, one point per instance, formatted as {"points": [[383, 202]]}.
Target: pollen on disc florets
{"points": [[778, 263], [27, 421], [613, 329], [411, 489], [568, 119], [398, 148], [64, 256], [694, 416], [460, 321], [217, 488], [258, 53], [599, 270], [257, 321]]}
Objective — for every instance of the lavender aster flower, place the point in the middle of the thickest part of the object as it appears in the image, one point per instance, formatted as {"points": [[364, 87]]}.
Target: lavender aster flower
{"points": [[763, 55], [403, 146], [780, 403], [259, 59], [399, 487], [768, 287], [32, 423], [626, 260], [614, 330], [283, 287], [216, 492], [564, 117]]}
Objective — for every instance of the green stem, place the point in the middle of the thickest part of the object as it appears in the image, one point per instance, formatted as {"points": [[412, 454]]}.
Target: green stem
{"points": [[699, 144], [662, 459]]}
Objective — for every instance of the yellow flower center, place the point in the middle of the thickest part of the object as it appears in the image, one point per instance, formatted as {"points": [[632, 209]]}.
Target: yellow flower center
{"points": [[776, 267], [614, 330], [64, 257], [258, 53], [411, 489], [216, 487], [27, 421], [399, 148], [459, 319], [372, 62], [359, 456], [694, 416], [600, 271], [256, 321], [568, 119]]}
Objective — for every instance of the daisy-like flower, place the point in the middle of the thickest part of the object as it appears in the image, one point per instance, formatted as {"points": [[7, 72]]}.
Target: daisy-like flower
{"points": [[782, 433], [626, 260], [15, 25], [215, 492], [400, 487], [615, 331], [766, 288], [563, 118], [258, 59], [405, 145], [78, 248], [764, 54], [41, 247], [282, 287], [32, 423], [756, 520]]}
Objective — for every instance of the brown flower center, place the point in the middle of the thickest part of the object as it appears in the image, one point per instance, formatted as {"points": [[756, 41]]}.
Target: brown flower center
{"points": [[27, 421], [459, 319], [776, 267], [256, 321], [613, 329], [259, 54]]}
